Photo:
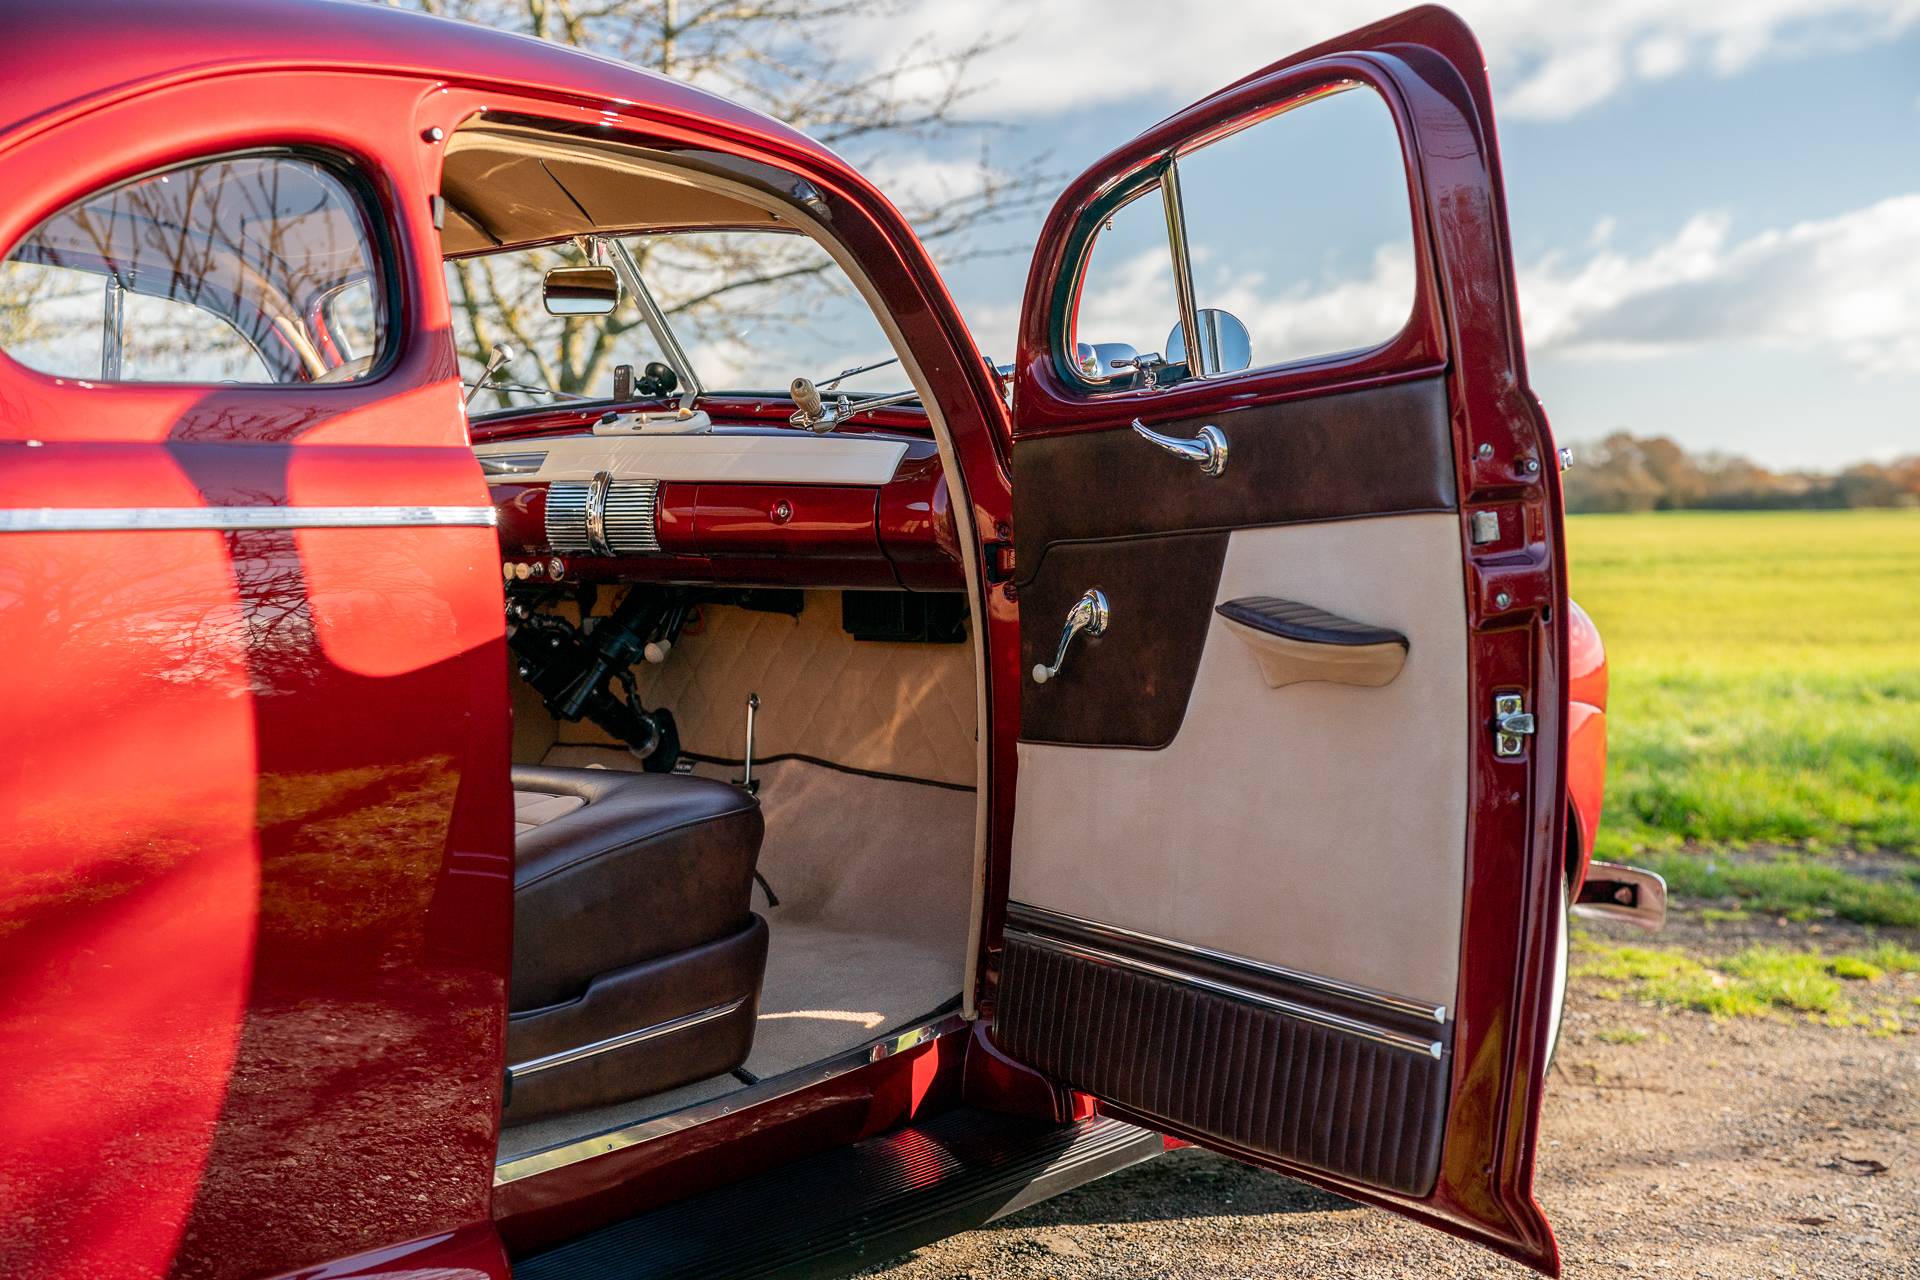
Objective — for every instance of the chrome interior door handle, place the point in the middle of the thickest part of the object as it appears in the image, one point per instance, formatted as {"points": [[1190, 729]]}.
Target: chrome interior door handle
{"points": [[1089, 614], [1208, 448]]}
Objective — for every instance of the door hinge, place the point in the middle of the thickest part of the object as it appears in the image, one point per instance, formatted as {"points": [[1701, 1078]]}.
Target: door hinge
{"points": [[1511, 722]]}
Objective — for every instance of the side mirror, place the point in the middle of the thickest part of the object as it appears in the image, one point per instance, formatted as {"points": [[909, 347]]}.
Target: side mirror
{"points": [[1225, 346], [580, 291], [1105, 361]]}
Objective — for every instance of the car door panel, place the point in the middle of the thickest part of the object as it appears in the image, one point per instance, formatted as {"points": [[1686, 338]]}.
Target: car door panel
{"points": [[259, 750], [1134, 521], [1291, 915]]}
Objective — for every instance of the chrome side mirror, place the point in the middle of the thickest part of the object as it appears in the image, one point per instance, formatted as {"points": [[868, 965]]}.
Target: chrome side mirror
{"points": [[1225, 346], [1105, 361], [580, 291]]}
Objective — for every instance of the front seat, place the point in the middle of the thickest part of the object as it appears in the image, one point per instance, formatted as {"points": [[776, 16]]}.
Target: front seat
{"points": [[636, 957]]}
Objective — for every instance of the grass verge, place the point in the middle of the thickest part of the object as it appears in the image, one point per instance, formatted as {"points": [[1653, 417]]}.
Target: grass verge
{"points": [[1765, 676], [1841, 989], [1793, 886]]}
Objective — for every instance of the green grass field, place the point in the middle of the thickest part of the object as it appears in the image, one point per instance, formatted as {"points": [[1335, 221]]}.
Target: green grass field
{"points": [[1765, 694]]}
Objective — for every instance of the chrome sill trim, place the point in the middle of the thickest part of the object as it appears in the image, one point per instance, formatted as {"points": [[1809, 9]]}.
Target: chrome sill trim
{"points": [[772, 1088], [113, 519], [1424, 1010], [1332, 1021], [533, 1066]]}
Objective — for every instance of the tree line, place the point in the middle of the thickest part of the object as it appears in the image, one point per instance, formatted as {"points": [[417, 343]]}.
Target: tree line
{"points": [[1625, 472]]}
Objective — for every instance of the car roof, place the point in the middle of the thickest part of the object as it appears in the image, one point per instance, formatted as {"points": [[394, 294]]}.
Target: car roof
{"points": [[60, 55]]}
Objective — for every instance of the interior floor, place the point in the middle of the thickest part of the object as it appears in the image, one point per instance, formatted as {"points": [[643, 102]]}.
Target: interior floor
{"points": [[872, 878]]}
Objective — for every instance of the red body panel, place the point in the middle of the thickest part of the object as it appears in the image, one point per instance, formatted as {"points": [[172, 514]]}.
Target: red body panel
{"points": [[257, 898], [1586, 738]]}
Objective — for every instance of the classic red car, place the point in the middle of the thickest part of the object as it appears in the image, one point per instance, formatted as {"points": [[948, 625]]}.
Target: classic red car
{"points": [[636, 803]]}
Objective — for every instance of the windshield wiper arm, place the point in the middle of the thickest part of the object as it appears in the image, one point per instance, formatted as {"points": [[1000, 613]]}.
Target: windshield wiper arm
{"points": [[844, 374]]}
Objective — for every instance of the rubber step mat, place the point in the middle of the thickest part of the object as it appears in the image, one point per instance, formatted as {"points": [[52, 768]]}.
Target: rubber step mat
{"points": [[834, 1213]]}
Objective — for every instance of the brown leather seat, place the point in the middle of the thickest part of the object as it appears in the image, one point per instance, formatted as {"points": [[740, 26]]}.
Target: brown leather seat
{"points": [[636, 957]]}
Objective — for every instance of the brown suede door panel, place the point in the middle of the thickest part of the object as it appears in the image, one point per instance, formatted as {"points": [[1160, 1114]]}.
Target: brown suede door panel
{"points": [[1150, 530], [1129, 688], [1382, 451]]}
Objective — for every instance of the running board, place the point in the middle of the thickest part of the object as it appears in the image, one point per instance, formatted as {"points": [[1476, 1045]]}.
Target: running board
{"points": [[834, 1213]]}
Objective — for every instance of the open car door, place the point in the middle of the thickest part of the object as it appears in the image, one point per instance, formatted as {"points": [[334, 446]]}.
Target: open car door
{"points": [[1290, 802]]}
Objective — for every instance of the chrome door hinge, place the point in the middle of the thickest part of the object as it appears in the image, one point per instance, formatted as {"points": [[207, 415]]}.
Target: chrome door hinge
{"points": [[1511, 722]]}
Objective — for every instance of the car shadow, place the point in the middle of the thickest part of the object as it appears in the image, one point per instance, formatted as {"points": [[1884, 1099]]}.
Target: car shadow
{"points": [[1186, 1183]]}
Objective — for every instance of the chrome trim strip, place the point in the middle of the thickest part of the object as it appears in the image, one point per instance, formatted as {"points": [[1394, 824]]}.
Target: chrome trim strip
{"points": [[511, 464], [597, 513], [772, 1088], [1424, 1010], [1332, 1021], [686, 1021], [110, 519]]}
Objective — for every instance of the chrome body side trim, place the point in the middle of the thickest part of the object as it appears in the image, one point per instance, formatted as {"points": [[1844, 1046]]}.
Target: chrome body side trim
{"points": [[1426, 1012], [1319, 1017], [639, 1035], [575, 1150], [114, 519]]}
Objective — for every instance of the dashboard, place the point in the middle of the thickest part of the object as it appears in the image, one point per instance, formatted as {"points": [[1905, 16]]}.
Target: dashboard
{"points": [[731, 495]]}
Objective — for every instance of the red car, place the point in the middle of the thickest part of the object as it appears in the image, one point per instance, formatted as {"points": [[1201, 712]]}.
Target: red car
{"points": [[518, 766]]}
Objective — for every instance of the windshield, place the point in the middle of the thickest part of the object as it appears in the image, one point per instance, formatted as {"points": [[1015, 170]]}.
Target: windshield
{"points": [[753, 310]]}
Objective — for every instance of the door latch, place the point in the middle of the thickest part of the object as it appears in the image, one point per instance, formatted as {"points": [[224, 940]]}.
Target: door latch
{"points": [[1511, 722]]}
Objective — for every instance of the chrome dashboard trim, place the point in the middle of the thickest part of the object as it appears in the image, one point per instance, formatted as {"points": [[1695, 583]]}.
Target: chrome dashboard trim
{"points": [[740, 455], [1421, 1009], [771, 1089], [512, 464], [160, 519]]}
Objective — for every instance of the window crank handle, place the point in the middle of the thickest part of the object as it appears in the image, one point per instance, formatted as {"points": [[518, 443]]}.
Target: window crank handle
{"points": [[1089, 614]]}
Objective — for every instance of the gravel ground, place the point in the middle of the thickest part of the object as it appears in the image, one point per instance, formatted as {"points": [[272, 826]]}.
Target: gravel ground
{"points": [[1722, 1149]]}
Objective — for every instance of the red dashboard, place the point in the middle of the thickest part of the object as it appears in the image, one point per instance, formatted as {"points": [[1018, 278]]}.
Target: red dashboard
{"points": [[751, 502]]}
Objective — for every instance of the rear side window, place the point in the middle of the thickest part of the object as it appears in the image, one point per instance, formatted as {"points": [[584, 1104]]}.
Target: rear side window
{"points": [[250, 269]]}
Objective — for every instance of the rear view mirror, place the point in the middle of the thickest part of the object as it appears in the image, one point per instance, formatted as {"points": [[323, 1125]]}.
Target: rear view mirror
{"points": [[580, 291], [1225, 346]]}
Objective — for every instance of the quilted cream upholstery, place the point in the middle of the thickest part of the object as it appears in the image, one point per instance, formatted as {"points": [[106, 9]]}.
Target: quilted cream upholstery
{"points": [[904, 709]]}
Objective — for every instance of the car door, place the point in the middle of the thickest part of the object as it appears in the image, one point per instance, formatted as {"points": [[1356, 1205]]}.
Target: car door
{"points": [[255, 870], [1292, 616]]}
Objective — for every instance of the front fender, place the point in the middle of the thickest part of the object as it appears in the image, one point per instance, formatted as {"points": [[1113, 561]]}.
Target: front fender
{"points": [[1586, 740]]}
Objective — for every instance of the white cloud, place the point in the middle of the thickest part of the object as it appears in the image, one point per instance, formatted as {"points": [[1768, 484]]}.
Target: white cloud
{"points": [[1548, 59], [1849, 285]]}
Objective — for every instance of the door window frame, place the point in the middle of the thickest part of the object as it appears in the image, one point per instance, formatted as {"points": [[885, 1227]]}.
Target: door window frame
{"points": [[1051, 395]]}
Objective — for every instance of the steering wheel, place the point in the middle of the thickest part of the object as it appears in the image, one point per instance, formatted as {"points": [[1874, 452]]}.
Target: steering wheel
{"points": [[348, 371]]}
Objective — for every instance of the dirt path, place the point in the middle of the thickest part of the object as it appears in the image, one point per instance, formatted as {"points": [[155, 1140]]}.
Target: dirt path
{"points": [[1734, 1149]]}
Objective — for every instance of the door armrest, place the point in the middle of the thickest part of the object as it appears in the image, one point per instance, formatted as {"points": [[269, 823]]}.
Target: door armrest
{"points": [[1295, 642]]}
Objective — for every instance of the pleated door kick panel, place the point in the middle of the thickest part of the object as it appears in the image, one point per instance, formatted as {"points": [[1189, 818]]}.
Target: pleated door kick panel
{"points": [[1234, 1069], [849, 1208]]}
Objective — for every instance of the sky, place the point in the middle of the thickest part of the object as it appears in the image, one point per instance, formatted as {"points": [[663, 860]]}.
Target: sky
{"points": [[1715, 205]]}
